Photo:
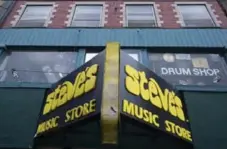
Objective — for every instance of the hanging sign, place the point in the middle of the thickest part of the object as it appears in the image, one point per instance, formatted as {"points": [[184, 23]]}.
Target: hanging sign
{"points": [[74, 98], [149, 99]]}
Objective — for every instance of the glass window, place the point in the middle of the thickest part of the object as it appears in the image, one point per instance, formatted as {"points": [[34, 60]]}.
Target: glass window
{"points": [[189, 69], [140, 16], [89, 56], [196, 16], [34, 16], [40, 67], [87, 16], [133, 53]]}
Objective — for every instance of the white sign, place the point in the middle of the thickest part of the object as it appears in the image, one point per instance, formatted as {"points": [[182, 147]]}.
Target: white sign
{"points": [[190, 72]]}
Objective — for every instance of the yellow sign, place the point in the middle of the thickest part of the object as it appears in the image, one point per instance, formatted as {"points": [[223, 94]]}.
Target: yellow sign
{"points": [[75, 97], [151, 100], [84, 82]]}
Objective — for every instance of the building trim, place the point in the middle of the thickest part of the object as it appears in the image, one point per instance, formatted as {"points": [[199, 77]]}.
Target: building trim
{"points": [[24, 85], [23, 7], [72, 8], [157, 11], [136, 37], [208, 6]]}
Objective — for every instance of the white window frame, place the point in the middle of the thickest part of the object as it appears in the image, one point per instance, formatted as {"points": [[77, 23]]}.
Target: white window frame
{"points": [[23, 7], [102, 16], [156, 12], [208, 7]]}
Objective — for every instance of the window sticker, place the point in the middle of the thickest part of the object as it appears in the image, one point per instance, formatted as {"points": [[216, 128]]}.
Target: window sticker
{"points": [[183, 56], [168, 57], [200, 62]]}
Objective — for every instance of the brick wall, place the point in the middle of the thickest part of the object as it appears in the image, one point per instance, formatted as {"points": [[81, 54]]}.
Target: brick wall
{"points": [[168, 15], [219, 13], [60, 14], [114, 13], [14, 12]]}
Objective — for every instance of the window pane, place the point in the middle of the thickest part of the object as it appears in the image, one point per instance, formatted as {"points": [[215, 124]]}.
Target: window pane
{"points": [[133, 53], [139, 9], [189, 69], [140, 16], [34, 16], [89, 9], [83, 16], [89, 56], [196, 15], [87, 16], [141, 23], [41, 67]]}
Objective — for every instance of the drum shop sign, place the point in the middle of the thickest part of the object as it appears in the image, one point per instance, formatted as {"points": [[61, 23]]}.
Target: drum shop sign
{"points": [[190, 69]]}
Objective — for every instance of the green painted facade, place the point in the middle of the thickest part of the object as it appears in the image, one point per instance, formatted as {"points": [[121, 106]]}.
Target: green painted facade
{"points": [[19, 110]]}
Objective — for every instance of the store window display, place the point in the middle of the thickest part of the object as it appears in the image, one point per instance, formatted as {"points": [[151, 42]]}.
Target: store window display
{"points": [[36, 67]]}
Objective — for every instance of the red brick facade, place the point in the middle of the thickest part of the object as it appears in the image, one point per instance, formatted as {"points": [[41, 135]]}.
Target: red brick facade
{"points": [[14, 12], [60, 16], [114, 13], [168, 15]]}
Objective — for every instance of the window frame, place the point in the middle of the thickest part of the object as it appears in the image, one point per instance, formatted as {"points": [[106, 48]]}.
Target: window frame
{"points": [[155, 9], [208, 8], [73, 10], [23, 8]]}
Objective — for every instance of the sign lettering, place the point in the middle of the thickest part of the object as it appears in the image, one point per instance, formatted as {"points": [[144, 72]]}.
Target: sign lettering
{"points": [[75, 97], [153, 94], [147, 98], [84, 82], [190, 71]]}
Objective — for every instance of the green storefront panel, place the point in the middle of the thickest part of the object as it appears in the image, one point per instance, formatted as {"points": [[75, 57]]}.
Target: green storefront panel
{"points": [[19, 110], [208, 116]]}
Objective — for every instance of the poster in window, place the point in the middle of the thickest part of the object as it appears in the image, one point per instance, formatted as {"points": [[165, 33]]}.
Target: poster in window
{"points": [[189, 69]]}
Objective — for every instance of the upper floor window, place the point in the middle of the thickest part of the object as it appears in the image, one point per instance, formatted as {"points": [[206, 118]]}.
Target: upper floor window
{"points": [[35, 16], [189, 69], [37, 67], [140, 16], [195, 15], [87, 16]]}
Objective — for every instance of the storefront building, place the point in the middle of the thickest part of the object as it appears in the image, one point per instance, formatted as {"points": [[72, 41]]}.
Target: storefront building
{"points": [[183, 42]]}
